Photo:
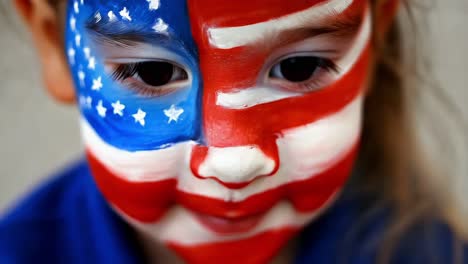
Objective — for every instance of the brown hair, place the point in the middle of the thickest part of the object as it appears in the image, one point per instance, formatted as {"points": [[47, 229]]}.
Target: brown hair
{"points": [[392, 162], [388, 160]]}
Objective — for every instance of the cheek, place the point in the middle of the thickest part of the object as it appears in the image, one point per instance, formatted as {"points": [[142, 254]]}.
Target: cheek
{"points": [[317, 158]]}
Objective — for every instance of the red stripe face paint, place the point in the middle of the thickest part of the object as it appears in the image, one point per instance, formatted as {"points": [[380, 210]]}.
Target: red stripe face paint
{"points": [[282, 87]]}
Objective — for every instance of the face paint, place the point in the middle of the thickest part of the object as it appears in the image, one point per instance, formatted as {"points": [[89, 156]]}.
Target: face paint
{"points": [[220, 129]]}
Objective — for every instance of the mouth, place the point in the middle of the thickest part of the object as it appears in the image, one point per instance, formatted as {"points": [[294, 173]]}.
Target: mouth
{"points": [[228, 225]]}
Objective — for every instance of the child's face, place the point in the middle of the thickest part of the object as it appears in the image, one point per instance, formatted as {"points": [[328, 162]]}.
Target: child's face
{"points": [[220, 126]]}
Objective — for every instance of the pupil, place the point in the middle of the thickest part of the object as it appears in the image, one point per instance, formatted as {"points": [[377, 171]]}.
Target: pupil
{"points": [[299, 69], [155, 73]]}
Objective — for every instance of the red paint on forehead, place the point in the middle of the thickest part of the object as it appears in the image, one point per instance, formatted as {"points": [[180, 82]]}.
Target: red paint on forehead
{"points": [[238, 67], [243, 12]]}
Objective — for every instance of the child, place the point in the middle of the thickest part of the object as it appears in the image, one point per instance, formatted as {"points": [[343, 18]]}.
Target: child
{"points": [[227, 131]]}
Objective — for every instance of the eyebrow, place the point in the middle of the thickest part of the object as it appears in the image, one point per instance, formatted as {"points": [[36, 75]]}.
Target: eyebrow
{"points": [[329, 17], [341, 26]]}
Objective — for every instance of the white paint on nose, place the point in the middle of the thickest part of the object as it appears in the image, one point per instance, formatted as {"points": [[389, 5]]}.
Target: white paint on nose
{"points": [[236, 164]]}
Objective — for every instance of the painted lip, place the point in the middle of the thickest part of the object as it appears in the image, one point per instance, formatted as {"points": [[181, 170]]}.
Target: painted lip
{"points": [[227, 225], [255, 205]]}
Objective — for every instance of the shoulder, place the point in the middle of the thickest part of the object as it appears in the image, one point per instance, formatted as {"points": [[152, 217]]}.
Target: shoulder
{"points": [[66, 220], [37, 225], [355, 232], [51, 198], [401, 240]]}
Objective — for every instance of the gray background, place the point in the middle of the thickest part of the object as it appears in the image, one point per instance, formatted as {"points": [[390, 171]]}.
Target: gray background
{"points": [[37, 136]]}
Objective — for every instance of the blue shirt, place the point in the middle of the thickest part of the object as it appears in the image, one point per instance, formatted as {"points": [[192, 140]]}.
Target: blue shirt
{"points": [[66, 220]]}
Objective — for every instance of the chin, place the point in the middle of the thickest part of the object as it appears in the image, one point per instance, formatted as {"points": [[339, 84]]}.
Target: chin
{"points": [[201, 238]]}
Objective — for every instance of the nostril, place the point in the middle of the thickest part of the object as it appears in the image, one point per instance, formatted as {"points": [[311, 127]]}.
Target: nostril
{"points": [[235, 167]]}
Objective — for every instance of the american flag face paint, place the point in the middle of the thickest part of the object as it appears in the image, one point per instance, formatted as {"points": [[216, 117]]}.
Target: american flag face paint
{"points": [[220, 128]]}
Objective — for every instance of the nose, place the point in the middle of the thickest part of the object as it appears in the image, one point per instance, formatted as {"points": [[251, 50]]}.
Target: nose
{"points": [[234, 167]]}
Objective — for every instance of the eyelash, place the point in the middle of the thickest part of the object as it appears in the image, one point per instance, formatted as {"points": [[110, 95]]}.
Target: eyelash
{"points": [[127, 74]]}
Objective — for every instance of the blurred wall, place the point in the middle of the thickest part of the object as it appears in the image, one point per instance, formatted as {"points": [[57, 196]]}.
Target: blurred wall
{"points": [[448, 49], [37, 136]]}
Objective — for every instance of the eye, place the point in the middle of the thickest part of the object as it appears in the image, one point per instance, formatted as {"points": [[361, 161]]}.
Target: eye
{"points": [[296, 69], [152, 78], [302, 73]]}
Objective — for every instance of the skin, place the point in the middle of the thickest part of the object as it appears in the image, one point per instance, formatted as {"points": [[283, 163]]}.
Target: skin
{"points": [[260, 142]]}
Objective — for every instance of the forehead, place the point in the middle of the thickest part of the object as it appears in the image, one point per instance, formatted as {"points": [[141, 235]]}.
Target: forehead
{"points": [[238, 13], [137, 13], [211, 12]]}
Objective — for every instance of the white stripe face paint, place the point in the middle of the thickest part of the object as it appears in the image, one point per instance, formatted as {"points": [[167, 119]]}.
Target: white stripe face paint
{"points": [[140, 166], [232, 37], [245, 98], [304, 151]]}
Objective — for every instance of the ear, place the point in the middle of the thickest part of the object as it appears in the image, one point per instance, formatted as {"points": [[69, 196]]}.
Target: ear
{"points": [[43, 21], [386, 13]]}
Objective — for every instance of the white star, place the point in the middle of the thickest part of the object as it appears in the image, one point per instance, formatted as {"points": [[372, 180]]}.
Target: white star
{"points": [[81, 2], [75, 6], [173, 113], [101, 109], [140, 117], [89, 101], [125, 14], [73, 23], [81, 76], [82, 100], [97, 84], [85, 101], [153, 4], [87, 52], [98, 17], [78, 40], [111, 16], [118, 108], [92, 63], [160, 26], [71, 55]]}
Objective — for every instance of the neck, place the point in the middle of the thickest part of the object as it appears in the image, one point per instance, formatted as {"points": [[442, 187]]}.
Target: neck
{"points": [[156, 252]]}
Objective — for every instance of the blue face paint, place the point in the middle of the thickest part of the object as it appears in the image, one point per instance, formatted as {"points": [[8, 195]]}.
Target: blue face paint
{"points": [[103, 35]]}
